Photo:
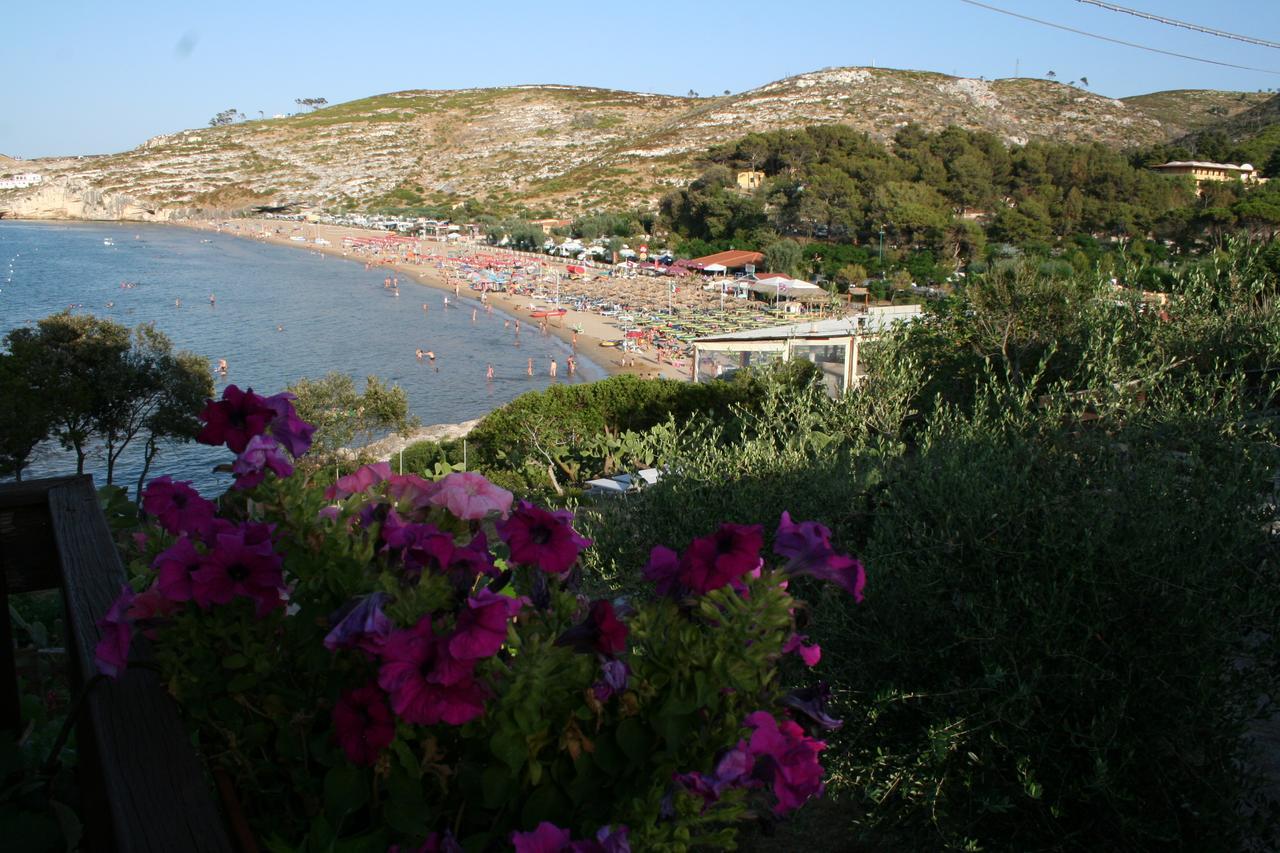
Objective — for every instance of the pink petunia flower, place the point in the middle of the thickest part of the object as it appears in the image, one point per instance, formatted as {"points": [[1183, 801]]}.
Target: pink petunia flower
{"points": [[546, 838], [790, 759], [482, 626], [601, 631], [241, 563], [177, 507], [286, 427], [470, 496], [663, 569], [262, 452], [236, 418], [713, 561], [808, 545], [362, 724], [174, 567], [149, 609], [425, 683], [798, 643], [411, 489], [111, 654], [360, 480], [538, 537]]}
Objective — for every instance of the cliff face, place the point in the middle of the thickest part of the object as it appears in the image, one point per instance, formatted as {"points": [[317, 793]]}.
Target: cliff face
{"points": [[562, 148], [70, 198]]}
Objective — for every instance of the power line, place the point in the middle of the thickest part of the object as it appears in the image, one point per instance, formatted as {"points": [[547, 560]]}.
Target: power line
{"points": [[1119, 41], [1174, 22]]}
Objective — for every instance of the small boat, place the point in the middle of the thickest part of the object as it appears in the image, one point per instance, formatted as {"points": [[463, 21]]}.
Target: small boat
{"points": [[549, 312], [609, 343], [107, 241]]}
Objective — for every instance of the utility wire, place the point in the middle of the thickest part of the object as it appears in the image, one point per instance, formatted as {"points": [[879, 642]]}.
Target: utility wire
{"points": [[1173, 22], [1119, 41]]}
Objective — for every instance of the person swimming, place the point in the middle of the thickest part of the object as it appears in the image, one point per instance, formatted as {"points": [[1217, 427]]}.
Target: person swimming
{"points": [[419, 353], [222, 366], [488, 375], [213, 300]]}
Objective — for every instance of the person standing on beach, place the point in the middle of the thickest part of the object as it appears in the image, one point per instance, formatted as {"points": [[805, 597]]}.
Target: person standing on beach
{"points": [[573, 364], [553, 368]]}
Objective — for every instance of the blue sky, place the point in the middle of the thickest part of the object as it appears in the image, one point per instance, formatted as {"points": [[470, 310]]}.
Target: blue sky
{"points": [[92, 77]]}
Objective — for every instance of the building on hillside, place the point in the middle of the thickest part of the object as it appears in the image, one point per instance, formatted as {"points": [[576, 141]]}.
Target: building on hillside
{"points": [[1204, 171], [549, 225], [832, 345], [750, 180], [20, 181]]}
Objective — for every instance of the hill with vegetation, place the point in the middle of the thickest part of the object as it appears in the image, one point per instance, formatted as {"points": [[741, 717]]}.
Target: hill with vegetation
{"points": [[559, 149]]}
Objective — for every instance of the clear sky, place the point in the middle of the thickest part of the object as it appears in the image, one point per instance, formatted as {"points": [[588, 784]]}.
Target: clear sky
{"points": [[79, 77]]}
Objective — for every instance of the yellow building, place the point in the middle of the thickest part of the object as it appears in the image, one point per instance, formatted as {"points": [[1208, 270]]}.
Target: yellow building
{"points": [[750, 180], [1203, 171]]}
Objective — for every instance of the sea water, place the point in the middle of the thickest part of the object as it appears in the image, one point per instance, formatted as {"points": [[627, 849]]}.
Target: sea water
{"points": [[278, 314]]}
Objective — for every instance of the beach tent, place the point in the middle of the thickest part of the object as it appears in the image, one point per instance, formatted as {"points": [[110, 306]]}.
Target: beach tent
{"points": [[715, 268]]}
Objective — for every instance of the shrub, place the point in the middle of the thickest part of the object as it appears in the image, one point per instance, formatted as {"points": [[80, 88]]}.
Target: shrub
{"points": [[372, 670]]}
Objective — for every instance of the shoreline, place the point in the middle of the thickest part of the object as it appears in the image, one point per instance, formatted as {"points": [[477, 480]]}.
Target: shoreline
{"points": [[595, 329]]}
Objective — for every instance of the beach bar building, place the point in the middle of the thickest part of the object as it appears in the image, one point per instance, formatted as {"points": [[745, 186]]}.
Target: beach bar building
{"points": [[832, 345]]}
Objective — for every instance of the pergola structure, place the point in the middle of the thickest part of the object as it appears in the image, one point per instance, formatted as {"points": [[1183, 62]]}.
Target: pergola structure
{"points": [[832, 345]]}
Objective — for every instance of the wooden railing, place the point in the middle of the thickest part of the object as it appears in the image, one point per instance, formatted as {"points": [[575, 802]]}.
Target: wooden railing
{"points": [[143, 787]]}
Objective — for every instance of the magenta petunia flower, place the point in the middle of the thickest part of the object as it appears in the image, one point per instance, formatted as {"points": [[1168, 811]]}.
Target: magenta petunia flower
{"points": [[482, 626], [236, 418], [546, 838], [470, 496], [241, 563], [808, 547], [286, 427], [111, 654], [262, 452], [787, 758], [360, 480], [812, 702], [177, 507], [362, 724], [726, 555], [174, 567], [363, 625], [425, 683], [663, 569], [798, 643], [538, 537], [411, 489], [420, 547], [600, 632]]}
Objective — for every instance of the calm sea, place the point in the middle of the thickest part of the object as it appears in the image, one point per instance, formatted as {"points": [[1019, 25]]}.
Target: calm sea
{"points": [[281, 314]]}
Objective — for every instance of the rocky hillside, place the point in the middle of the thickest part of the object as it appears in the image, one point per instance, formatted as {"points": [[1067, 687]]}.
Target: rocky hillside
{"points": [[560, 148]]}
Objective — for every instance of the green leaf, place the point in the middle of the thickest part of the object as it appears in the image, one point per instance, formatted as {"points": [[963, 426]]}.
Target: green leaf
{"points": [[236, 661], [345, 790], [497, 784], [544, 803], [634, 741], [510, 748]]}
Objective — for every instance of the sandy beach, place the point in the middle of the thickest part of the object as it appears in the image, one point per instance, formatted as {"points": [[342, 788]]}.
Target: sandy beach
{"points": [[594, 329]]}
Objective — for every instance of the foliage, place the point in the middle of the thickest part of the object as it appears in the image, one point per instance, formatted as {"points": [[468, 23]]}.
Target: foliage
{"points": [[425, 685], [83, 378], [344, 418]]}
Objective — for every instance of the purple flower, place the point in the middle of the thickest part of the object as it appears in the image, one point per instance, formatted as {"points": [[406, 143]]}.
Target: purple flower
{"points": [[241, 563], [112, 651], [547, 838], [482, 627], [615, 674], [177, 507], [538, 537], [609, 839], [235, 419], [262, 452], [425, 684], [812, 702], [810, 654], [808, 546], [363, 724], [363, 625], [726, 555], [174, 567], [290, 430], [663, 569]]}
